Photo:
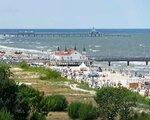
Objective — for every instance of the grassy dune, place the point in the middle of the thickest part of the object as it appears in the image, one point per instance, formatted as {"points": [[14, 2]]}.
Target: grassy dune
{"points": [[50, 85]]}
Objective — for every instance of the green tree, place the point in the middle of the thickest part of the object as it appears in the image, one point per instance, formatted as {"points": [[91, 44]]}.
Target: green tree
{"points": [[115, 101], [19, 101], [32, 98], [8, 89]]}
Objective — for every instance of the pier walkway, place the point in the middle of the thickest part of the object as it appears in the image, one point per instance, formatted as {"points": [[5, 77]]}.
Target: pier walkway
{"points": [[96, 58], [117, 59], [60, 34], [52, 34]]}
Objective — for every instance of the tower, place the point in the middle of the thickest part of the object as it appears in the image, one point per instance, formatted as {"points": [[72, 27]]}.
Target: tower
{"points": [[75, 48], [58, 49], [65, 49], [93, 29], [84, 51]]}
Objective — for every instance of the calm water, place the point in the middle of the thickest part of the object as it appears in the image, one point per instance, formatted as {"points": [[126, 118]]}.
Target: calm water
{"points": [[133, 42]]}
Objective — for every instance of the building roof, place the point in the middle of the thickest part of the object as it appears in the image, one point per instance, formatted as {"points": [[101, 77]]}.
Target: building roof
{"points": [[2, 54], [64, 52]]}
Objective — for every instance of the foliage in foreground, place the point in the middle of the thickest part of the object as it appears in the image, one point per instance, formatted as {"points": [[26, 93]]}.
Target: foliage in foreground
{"points": [[32, 98], [19, 101], [141, 116], [115, 101], [4, 115], [73, 110], [37, 116], [87, 112], [54, 103], [82, 111]]}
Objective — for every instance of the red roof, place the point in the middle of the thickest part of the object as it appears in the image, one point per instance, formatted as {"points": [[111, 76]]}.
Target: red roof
{"points": [[63, 52], [2, 54]]}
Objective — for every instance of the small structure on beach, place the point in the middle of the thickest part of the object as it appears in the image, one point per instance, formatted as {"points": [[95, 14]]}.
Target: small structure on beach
{"points": [[83, 67]]}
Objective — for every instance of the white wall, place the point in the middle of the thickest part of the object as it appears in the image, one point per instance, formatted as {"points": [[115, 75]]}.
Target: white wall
{"points": [[74, 56]]}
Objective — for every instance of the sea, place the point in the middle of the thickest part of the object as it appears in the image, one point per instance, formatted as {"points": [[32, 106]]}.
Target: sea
{"points": [[111, 43]]}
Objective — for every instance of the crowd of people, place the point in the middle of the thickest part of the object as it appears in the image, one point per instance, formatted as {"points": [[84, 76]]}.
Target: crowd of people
{"points": [[96, 77], [93, 76]]}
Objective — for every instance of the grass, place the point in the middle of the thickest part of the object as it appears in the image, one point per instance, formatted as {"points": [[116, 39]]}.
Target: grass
{"points": [[46, 74], [51, 75], [49, 86], [85, 86]]}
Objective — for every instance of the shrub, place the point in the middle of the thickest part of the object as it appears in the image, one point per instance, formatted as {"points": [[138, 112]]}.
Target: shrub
{"points": [[49, 74], [37, 116], [23, 64], [73, 110], [31, 96], [4, 115], [8, 89], [18, 100], [141, 116], [87, 112], [115, 101], [4, 71], [30, 103], [54, 103]]}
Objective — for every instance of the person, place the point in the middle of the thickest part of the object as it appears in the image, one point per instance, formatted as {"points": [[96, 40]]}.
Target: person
{"points": [[146, 94]]}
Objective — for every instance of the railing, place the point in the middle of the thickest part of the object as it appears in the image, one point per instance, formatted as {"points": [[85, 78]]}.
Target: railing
{"points": [[97, 58]]}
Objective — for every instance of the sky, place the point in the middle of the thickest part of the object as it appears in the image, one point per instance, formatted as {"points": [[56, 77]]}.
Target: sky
{"points": [[66, 14]]}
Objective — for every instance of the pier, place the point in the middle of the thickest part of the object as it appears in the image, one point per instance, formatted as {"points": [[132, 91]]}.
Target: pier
{"points": [[30, 33], [98, 59], [52, 34], [117, 59]]}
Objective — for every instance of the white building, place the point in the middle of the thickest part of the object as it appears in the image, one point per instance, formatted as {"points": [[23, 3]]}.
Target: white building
{"points": [[70, 55]]}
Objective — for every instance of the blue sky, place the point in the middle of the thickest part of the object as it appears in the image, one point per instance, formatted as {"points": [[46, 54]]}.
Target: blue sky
{"points": [[74, 13]]}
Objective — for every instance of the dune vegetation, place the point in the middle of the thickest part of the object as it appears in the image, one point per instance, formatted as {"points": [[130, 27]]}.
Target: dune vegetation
{"points": [[48, 99]]}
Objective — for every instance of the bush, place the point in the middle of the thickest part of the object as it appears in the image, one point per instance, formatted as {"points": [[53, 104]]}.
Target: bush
{"points": [[48, 74], [4, 115], [73, 110], [31, 96], [54, 103], [141, 116], [4, 71], [23, 64], [37, 116], [8, 89], [115, 101], [87, 112], [18, 101]]}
